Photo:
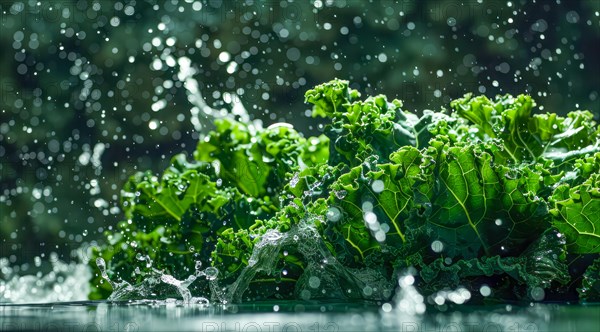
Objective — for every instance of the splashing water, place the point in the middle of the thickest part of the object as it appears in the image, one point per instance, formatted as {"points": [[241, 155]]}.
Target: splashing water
{"points": [[203, 115], [155, 284], [119, 289], [64, 282], [182, 287], [323, 277]]}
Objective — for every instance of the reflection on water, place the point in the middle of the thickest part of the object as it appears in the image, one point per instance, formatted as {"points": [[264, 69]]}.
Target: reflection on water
{"points": [[292, 316]]}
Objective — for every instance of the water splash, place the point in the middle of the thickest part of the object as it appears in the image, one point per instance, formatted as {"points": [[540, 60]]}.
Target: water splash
{"points": [[120, 289], [63, 282], [202, 115], [183, 288], [154, 284], [323, 277]]}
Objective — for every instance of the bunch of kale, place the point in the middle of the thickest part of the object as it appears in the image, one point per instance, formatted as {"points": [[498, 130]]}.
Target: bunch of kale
{"points": [[485, 193]]}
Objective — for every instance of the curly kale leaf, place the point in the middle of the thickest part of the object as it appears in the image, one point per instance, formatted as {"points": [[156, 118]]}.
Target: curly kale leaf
{"points": [[590, 286], [174, 221], [189, 211], [575, 206], [480, 207], [540, 265], [527, 137], [361, 128], [143, 196], [576, 210], [457, 193], [257, 161], [329, 98], [372, 203]]}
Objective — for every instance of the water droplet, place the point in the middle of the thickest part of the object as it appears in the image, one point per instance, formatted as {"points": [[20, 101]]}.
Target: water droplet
{"points": [[101, 264], [305, 295], [377, 186], [380, 236], [386, 307], [333, 214], [294, 181], [537, 293], [406, 281], [211, 273], [370, 218], [437, 246], [439, 299], [314, 282], [485, 290], [341, 194]]}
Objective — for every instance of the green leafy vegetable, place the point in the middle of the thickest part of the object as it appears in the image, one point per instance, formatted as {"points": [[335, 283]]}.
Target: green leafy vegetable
{"points": [[590, 289], [486, 192], [576, 210], [541, 265]]}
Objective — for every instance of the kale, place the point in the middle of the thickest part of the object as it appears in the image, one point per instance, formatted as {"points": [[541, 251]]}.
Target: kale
{"points": [[485, 192]]}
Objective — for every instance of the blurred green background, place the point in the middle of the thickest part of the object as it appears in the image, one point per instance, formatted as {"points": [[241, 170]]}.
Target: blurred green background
{"points": [[89, 91]]}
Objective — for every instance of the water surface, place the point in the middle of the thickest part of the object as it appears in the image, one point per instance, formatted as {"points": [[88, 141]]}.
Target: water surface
{"points": [[292, 316]]}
